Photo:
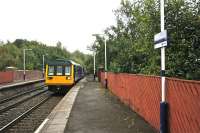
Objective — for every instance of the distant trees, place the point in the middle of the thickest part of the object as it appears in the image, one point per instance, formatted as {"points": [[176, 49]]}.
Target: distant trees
{"points": [[130, 44], [83, 59], [59, 44], [11, 54]]}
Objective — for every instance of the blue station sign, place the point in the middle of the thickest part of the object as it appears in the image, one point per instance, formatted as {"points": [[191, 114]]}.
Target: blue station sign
{"points": [[160, 39]]}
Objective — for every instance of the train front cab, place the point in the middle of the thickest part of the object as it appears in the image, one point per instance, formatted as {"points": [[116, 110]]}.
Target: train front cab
{"points": [[59, 78]]}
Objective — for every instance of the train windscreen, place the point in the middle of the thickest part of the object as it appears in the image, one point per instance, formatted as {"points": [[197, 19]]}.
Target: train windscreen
{"points": [[51, 70], [67, 70], [59, 70]]}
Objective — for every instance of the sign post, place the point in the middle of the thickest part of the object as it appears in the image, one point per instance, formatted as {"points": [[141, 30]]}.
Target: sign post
{"points": [[160, 41]]}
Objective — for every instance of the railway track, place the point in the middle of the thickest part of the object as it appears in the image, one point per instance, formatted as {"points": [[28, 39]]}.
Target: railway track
{"points": [[17, 107], [13, 102], [20, 94], [22, 115], [15, 90], [35, 116]]}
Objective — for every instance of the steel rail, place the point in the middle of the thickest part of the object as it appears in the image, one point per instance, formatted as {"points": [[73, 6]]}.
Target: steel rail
{"points": [[13, 122], [21, 94], [15, 104]]}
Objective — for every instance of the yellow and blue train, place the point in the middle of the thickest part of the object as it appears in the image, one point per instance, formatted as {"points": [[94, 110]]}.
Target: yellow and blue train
{"points": [[61, 74]]}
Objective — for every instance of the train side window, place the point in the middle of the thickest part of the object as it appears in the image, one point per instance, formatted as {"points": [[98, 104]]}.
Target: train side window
{"points": [[67, 70], [51, 70], [59, 70], [75, 70]]}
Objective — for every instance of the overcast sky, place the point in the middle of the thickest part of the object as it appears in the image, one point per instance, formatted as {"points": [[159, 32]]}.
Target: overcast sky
{"points": [[70, 21]]}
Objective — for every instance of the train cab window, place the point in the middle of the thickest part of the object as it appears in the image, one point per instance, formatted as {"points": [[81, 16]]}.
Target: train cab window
{"points": [[59, 70], [51, 70], [67, 70]]}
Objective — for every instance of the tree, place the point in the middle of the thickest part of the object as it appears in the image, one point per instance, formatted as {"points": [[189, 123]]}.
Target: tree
{"points": [[59, 45], [11, 54], [130, 43]]}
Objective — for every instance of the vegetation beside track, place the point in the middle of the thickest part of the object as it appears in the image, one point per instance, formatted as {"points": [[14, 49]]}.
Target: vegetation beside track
{"points": [[130, 45], [11, 54]]}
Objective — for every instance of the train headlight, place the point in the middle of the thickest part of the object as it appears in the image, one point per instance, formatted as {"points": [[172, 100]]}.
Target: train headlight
{"points": [[68, 77]]}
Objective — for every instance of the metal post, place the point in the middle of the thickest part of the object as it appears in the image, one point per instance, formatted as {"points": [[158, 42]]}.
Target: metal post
{"points": [[43, 66], [24, 51], [106, 81], [24, 64], [163, 104], [163, 52], [94, 66]]}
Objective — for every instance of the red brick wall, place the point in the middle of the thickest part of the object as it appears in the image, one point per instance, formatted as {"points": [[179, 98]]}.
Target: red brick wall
{"points": [[30, 75], [10, 76], [184, 105], [142, 94], [6, 77]]}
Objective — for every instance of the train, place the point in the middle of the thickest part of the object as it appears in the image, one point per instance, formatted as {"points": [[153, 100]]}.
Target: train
{"points": [[62, 74]]}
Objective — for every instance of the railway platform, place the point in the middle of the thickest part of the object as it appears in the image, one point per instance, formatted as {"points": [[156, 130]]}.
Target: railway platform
{"points": [[19, 83], [89, 108]]}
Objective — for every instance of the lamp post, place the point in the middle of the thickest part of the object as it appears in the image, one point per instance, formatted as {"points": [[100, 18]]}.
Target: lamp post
{"points": [[106, 81], [24, 51], [43, 58], [94, 61], [94, 53]]}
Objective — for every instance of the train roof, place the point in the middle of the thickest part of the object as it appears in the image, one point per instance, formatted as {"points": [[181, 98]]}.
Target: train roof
{"points": [[62, 62]]}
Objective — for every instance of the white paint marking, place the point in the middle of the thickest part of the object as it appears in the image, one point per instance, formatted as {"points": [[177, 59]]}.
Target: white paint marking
{"points": [[63, 107], [41, 126]]}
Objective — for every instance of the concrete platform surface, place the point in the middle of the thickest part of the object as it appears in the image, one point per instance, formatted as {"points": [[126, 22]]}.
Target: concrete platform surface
{"points": [[13, 84], [58, 118], [96, 110]]}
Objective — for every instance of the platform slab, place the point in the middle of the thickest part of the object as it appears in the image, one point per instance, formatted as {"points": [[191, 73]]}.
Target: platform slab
{"points": [[58, 118], [93, 109], [97, 110], [9, 85]]}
